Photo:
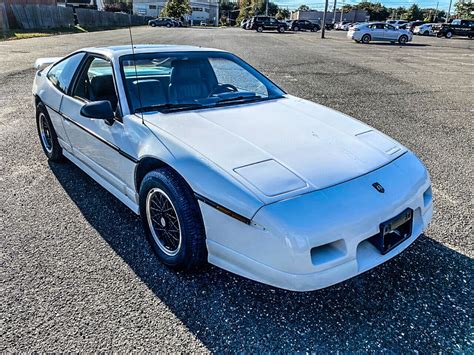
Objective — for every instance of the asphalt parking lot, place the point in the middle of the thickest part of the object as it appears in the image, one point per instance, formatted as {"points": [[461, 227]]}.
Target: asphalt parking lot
{"points": [[77, 273]]}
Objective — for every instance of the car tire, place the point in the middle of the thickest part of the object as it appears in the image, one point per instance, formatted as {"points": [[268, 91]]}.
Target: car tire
{"points": [[153, 24], [259, 29], [469, 36], [439, 35], [426, 33], [365, 39], [403, 39], [281, 29], [296, 28], [172, 220], [47, 135], [449, 34], [168, 25]]}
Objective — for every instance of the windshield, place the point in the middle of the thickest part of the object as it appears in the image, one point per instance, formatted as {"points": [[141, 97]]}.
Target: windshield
{"points": [[181, 81]]}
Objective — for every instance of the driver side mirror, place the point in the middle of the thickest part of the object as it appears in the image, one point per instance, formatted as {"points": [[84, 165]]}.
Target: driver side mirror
{"points": [[100, 110]]}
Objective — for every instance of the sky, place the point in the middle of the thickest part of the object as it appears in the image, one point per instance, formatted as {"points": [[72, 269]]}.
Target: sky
{"points": [[319, 4]]}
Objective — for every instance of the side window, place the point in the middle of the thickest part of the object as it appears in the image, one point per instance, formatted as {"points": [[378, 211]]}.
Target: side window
{"points": [[389, 27], [61, 74], [96, 82], [228, 72]]}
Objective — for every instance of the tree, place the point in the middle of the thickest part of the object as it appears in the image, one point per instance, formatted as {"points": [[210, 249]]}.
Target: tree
{"points": [[246, 10], [413, 13], [176, 8], [464, 9], [229, 11], [282, 14], [303, 8], [376, 11]]}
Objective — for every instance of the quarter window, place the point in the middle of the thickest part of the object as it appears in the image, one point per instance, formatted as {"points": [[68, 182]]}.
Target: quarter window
{"points": [[61, 74]]}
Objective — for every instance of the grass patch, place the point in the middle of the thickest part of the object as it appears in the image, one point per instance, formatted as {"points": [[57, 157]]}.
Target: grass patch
{"points": [[23, 34]]}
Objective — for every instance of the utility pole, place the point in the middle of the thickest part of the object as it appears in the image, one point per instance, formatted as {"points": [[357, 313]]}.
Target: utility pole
{"points": [[436, 12], [266, 7], [449, 10], [334, 12], [342, 10], [323, 25]]}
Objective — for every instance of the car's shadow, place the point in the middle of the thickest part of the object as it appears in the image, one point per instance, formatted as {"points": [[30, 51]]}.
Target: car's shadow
{"points": [[417, 301], [410, 44]]}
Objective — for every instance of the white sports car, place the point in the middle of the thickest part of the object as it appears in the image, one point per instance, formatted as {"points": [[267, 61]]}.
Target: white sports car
{"points": [[223, 166]]}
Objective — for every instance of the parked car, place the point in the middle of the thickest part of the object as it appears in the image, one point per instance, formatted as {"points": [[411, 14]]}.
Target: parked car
{"points": [[379, 31], [339, 25], [458, 27], [244, 24], [162, 22], [195, 142], [346, 26], [425, 29], [410, 26], [261, 23], [396, 23], [298, 25]]}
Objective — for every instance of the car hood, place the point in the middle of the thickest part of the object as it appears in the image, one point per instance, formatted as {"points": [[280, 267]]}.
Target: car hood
{"points": [[283, 146]]}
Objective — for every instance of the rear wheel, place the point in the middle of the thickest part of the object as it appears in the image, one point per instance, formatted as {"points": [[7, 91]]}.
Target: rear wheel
{"points": [[172, 220], [366, 39], [469, 36], [449, 34], [47, 134], [439, 35], [296, 28], [281, 29], [152, 24], [403, 39], [426, 33], [260, 29], [168, 25]]}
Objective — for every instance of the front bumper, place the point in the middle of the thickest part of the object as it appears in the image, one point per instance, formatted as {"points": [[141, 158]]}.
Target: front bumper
{"points": [[321, 238]]}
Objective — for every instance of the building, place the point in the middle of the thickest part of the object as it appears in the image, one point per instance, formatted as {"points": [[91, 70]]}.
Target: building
{"points": [[203, 10], [317, 16]]}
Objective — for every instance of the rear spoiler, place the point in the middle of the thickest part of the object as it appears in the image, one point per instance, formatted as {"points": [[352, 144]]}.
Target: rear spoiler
{"points": [[42, 63]]}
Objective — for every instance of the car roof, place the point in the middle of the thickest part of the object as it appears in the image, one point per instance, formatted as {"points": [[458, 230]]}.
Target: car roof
{"points": [[118, 51]]}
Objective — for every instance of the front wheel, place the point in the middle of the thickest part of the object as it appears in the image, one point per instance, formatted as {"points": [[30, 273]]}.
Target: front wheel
{"points": [[365, 39], [403, 39], [260, 29], [296, 28], [281, 29], [172, 220], [47, 134], [426, 33], [168, 25], [449, 34], [152, 24]]}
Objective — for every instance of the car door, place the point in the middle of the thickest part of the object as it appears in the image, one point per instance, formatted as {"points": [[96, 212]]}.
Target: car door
{"points": [[96, 143], [60, 77], [390, 33], [377, 31]]}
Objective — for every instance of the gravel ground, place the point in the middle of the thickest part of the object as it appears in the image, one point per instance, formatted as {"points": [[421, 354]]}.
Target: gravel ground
{"points": [[77, 274]]}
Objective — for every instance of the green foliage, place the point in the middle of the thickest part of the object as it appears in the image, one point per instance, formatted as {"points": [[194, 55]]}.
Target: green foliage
{"points": [[376, 11], [282, 14], [303, 8], [413, 13], [464, 10], [176, 8], [246, 10]]}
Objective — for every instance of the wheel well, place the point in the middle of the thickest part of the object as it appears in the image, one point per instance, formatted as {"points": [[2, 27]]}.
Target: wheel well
{"points": [[144, 166], [37, 100]]}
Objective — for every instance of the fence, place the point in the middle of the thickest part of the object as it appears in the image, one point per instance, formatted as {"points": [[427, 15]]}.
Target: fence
{"points": [[44, 17], [3, 18], [31, 17], [93, 18]]}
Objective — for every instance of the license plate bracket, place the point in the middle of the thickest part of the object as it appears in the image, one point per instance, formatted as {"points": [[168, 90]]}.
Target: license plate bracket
{"points": [[393, 232]]}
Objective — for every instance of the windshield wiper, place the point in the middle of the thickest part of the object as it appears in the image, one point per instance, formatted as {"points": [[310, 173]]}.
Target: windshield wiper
{"points": [[169, 107], [239, 99]]}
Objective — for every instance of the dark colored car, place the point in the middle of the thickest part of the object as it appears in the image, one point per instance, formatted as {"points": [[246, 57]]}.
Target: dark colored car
{"points": [[162, 22], [457, 27], [261, 23], [298, 25]]}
